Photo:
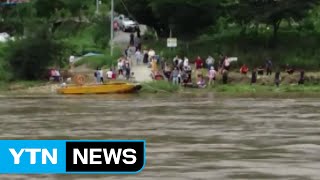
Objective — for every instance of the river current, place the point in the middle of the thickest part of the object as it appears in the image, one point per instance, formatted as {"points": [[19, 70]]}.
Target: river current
{"points": [[188, 137]]}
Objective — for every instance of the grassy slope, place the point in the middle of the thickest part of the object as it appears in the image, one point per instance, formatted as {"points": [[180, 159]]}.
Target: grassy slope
{"points": [[78, 37], [81, 40], [101, 61]]}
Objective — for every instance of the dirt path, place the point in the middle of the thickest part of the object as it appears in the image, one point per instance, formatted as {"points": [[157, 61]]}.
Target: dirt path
{"points": [[121, 39], [142, 72]]}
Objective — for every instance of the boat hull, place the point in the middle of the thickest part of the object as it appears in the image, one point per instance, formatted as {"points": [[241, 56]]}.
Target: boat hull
{"points": [[111, 88]]}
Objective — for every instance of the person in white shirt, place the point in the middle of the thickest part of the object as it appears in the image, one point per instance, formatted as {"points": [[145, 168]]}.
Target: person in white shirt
{"points": [[58, 76], [212, 75], [57, 73], [101, 76], [210, 62], [186, 62], [180, 64], [109, 74], [151, 54], [138, 57], [176, 60], [131, 53], [72, 60], [120, 66]]}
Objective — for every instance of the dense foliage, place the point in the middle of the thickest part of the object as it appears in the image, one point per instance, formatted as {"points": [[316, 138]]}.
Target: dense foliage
{"points": [[48, 31], [286, 31], [182, 17], [189, 17], [29, 58]]}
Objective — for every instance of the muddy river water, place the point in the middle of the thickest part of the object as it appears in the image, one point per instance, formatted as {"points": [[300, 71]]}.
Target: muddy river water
{"points": [[204, 137]]}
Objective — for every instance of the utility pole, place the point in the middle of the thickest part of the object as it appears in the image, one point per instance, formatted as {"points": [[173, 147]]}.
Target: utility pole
{"points": [[97, 6], [111, 35]]}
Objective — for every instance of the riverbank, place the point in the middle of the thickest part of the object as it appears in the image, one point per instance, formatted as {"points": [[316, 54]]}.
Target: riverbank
{"points": [[164, 88], [238, 86], [235, 90], [28, 87]]}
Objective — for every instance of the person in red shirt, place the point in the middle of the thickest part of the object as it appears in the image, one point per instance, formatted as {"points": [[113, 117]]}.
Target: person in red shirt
{"points": [[244, 69], [198, 63]]}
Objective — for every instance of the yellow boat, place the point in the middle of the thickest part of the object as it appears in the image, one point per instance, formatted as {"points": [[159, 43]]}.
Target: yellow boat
{"points": [[109, 88]]}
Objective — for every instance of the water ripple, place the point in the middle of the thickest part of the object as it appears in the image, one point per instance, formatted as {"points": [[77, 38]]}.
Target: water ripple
{"points": [[187, 138]]}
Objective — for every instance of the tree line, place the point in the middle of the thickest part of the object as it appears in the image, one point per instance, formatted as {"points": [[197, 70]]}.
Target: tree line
{"points": [[42, 31], [40, 42], [188, 18]]}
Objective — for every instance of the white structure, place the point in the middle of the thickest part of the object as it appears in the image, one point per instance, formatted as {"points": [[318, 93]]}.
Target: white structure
{"points": [[4, 37]]}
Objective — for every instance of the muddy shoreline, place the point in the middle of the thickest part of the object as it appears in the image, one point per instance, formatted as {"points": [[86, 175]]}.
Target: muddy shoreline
{"points": [[232, 91]]}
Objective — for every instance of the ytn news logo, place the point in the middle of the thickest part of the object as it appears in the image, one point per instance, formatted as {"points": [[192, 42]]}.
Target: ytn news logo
{"points": [[72, 157]]}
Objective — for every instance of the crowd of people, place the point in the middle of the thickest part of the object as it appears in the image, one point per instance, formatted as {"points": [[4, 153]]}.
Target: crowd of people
{"points": [[123, 70], [180, 71], [267, 68]]}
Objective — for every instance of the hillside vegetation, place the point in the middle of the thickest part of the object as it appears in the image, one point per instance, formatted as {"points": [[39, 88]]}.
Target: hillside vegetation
{"points": [[47, 32]]}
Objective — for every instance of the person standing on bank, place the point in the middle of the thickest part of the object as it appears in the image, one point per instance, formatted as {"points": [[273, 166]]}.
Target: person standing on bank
{"points": [[145, 57], [120, 66], [269, 67], [277, 78], [176, 61], [101, 76], [128, 70], [221, 62], [131, 42], [254, 76], [198, 63], [210, 62], [224, 76], [212, 75], [97, 76], [138, 57], [137, 41], [175, 76], [301, 80], [185, 62], [131, 54]]}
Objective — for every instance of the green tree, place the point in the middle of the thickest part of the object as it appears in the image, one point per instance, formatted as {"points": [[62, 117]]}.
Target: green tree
{"points": [[15, 17], [184, 17], [272, 12], [101, 31], [28, 58], [78, 8], [48, 8]]}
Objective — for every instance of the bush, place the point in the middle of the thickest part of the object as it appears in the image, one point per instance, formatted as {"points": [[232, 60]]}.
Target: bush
{"points": [[5, 74], [149, 35], [101, 31], [29, 58]]}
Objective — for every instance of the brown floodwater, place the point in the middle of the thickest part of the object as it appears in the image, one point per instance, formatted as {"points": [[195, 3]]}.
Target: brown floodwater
{"points": [[198, 137]]}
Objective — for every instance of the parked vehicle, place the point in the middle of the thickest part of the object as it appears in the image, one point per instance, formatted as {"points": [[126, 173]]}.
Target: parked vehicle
{"points": [[125, 24]]}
